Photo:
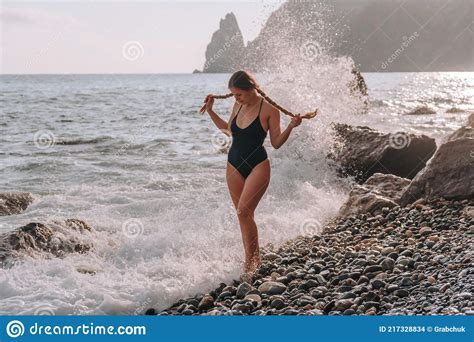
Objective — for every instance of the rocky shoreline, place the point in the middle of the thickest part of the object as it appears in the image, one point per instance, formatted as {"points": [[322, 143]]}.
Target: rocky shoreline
{"points": [[397, 247], [415, 260]]}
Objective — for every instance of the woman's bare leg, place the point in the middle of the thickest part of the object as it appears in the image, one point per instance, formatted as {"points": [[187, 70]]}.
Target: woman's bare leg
{"points": [[235, 183], [254, 188]]}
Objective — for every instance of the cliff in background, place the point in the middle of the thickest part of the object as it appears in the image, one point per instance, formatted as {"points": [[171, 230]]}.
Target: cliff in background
{"points": [[380, 35], [226, 47]]}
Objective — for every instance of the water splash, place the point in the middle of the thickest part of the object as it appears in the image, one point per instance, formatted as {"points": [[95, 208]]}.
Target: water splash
{"points": [[166, 227]]}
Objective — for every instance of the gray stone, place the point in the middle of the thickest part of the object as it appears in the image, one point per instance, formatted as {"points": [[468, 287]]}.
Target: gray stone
{"points": [[56, 239], [378, 192], [465, 131], [277, 303], [243, 289], [223, 296], [343, 304], [362, 152], [406, 281], [387, 264], [401, 293], [272, 287], [377, 284], [372, 268], [448, 174], [245, 308], [320, 279], [425, 231], [14, 202], [206, 303], [254, 297]]}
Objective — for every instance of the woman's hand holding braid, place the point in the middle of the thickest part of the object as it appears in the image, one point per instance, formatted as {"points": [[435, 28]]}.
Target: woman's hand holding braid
{"points": [[295, 121], [209, 102]]}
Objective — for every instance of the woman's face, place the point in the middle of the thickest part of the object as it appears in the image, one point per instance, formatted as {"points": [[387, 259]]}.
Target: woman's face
{"points": [[242, 96]]}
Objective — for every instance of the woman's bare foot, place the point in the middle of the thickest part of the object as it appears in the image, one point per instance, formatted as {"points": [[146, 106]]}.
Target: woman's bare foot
{"points": [[252, 266], [249, 270], [246, 278]]}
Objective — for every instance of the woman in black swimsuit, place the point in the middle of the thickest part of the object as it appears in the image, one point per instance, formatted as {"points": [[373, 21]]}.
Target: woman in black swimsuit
{"points": [[248, 168]]}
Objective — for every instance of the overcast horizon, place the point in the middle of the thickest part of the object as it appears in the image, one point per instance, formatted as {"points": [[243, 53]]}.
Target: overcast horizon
{"points": [[142, 37]]}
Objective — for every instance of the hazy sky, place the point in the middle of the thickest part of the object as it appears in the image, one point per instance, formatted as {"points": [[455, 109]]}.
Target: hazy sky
{"points": [[117, 36]]}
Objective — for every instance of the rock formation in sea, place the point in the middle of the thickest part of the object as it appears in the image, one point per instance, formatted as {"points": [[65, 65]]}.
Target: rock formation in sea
{"points": [[14, 202], [362, 151], [54, 239], [224, 51]]}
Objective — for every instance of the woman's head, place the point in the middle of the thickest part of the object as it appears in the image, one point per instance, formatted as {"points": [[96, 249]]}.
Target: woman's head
{"points": [[243, 86]]}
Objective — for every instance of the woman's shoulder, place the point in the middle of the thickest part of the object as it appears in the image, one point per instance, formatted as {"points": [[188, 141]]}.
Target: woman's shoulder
{"points": [[234, 110], [269, 108], [235, 107]]}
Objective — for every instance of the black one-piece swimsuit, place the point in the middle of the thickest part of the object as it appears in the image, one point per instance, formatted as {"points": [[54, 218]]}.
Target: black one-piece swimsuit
{"points": [[247, 149]]}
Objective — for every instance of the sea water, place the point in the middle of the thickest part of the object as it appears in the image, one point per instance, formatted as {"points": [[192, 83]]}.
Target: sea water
{"points": [[131, 156]]}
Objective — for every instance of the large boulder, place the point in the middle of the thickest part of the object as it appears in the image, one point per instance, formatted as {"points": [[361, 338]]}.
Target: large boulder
{"points": [[55, 239], [470, 120], [449, 174], [465, 131], [422, 110], [14, 202], [462, 133], [379, 191], [362, 151]]}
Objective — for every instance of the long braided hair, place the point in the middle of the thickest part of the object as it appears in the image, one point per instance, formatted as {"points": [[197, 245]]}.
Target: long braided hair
{"points": [[244, 80]]}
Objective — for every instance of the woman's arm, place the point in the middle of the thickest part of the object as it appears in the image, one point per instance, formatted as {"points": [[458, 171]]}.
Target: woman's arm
{"points": [[220, 124], [278, 138]]}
